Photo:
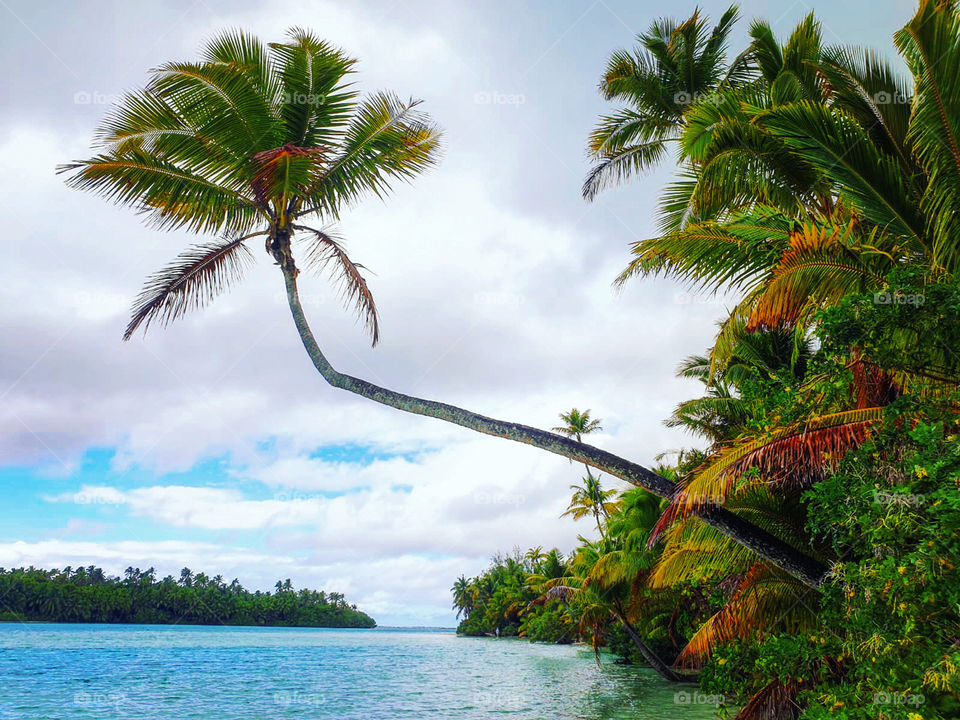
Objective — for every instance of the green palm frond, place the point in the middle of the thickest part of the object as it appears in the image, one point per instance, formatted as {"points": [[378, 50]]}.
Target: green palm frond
{"points": [[673, 65], [712, 255], [171, 196], [863, 84], [315, 100], [930, 44], [693, 550], [386, 140], [837, 146]]}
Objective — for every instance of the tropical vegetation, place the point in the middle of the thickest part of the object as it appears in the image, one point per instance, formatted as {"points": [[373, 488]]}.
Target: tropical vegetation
{"points": [[89, 595], [816, 185]]}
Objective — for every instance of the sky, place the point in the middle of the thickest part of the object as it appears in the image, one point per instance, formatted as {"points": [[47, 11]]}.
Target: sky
{"points": [[213, 444]]}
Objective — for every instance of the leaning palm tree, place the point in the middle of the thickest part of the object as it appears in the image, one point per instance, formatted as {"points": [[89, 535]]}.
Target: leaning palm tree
{"points": [[256, 141]]}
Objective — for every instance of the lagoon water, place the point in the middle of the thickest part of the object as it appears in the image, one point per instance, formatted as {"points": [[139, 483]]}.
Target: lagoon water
{"points": [[152, 672]]}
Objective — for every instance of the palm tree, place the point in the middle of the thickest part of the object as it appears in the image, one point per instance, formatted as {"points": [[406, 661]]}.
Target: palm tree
{"points": [[534, 555], [591, 499], [673, 65], [461, 596], [603, 576], [251, 142], [576, 424], [819, 177]]}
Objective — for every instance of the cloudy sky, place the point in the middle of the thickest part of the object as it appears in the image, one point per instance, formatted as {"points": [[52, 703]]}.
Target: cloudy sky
{"points": [[214, 444]]}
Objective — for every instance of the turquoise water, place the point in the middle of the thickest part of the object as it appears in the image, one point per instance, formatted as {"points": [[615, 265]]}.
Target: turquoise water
{"points": [[175, 673]]}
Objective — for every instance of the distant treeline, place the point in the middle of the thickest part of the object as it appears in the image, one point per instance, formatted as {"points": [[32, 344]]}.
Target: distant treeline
{"points": [[88, 595]]}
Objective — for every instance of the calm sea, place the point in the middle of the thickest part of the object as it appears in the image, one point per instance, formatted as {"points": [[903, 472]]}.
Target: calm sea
{"points": [[175, 673]]}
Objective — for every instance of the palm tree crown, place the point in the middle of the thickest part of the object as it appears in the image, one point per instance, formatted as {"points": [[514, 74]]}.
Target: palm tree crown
{"points": [[250, 141]]}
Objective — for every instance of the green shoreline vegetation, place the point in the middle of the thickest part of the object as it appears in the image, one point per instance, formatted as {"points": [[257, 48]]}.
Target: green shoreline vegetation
{"points": [[88, 595], [821, 187]]}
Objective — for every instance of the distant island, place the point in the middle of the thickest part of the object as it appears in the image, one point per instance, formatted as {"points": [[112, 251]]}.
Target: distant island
{"points": [[89, 595]]}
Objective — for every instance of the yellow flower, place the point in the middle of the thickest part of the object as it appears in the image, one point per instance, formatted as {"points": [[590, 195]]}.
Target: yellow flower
{"points": [[722, 661], [901, 570], [914, 716]]}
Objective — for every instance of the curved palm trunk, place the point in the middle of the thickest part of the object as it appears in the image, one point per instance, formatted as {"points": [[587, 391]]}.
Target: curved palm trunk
{"points": [[664, 670], [802, 566]]}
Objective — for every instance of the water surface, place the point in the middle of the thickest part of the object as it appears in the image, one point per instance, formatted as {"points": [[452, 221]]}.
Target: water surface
{"points": [[174, 672]]}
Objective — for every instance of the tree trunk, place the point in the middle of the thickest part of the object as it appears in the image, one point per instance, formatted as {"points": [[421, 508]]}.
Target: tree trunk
{"points": [[802, 566], [664, 670]]}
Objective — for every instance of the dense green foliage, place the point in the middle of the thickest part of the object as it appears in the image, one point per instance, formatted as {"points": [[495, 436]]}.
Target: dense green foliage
{"points": [[822, 187], [88, 595], [501, 601]]}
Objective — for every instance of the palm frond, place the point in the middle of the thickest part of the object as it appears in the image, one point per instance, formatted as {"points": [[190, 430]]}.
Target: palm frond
{"points": [[326, 252], [191, 281], [795, 455], [315, 101], [764, 600], [775, 701], [930, 44], [837, 146], [386, 139]]}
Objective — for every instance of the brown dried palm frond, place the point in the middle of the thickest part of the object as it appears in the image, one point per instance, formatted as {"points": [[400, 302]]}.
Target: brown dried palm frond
{"points": [[191, 281], [776, 701], [563, 593], [282, 171], [795, 455], [821, 264], [327, 252]]}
